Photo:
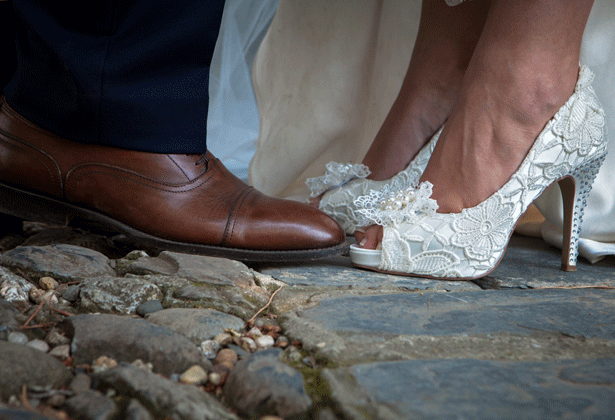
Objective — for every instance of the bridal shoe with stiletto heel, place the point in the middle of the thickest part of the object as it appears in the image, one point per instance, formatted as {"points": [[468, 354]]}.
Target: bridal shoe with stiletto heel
{"points": [[343, 183], [418, 241]]}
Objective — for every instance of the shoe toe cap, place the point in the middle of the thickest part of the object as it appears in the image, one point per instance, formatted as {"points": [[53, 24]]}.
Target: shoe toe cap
{"points": [[268, 223]]}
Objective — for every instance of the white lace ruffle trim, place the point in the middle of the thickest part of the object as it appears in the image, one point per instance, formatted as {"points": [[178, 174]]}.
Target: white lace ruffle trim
{"points": [[337, 174], [392, 206]]}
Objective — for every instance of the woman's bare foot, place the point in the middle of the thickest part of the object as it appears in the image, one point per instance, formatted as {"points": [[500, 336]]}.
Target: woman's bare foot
{"points": [[523, 70], [443, 48]]}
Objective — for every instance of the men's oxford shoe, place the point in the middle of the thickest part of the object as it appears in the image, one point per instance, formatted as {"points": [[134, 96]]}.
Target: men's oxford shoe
{"points": [[186, 203]]}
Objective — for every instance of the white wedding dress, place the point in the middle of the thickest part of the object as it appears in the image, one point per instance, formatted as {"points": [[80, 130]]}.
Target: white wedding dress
{"points": [[325, 77]]}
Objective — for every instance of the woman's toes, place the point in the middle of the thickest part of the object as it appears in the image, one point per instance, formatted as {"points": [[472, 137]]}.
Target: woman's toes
{"points": [[372, 237]]}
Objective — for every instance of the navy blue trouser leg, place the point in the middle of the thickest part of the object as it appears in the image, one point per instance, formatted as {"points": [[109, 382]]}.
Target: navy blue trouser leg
{"points": [[8, 58], [131, 74]]}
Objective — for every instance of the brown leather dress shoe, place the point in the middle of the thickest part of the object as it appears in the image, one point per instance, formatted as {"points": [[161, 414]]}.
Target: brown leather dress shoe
{"points": [[185, 203]]}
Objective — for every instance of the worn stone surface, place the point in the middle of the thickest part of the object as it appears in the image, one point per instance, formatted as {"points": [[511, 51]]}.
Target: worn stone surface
{"points": [[149, 306], [162, 396], [195, 268], [196, 324], [338, 272], [530, 263], [91, 405], [62, 262], [116, 295], [476, 389], [261, 384], [12, 286], [21, 365], [469, 324], [136, 411], [238, 301], [128, 339], [10, 317]]}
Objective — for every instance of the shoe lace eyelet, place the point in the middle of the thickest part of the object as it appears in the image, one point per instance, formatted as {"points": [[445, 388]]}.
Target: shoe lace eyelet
{"points": [[202, 159]]}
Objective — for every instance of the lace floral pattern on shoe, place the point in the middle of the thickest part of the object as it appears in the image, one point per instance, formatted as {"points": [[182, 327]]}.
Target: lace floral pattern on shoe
{"points": [[469, 244], [337, 174]]}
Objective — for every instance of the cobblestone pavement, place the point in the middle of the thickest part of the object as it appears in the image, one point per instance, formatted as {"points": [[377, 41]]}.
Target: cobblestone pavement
{"points": [[94, 327]]}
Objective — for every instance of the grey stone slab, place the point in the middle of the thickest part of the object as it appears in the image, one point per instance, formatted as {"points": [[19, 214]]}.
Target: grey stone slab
{"points": [[127, 339], [197, 325], [62, 262], [21, 365], [116, 294], [162, 397], [338, 272], [475, 389], [195, 268], [493, 324], [532, 263], [262, 385]]}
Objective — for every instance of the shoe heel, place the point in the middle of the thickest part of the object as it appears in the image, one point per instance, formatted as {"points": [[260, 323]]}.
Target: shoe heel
{"points": [[575, 188]]}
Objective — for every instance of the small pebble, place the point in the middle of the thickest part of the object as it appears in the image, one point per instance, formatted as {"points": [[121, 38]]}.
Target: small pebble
{"points": [[292, 354], [141, 365], [71, 293], [210, 348], [81, 382], [103, 363], [61, 352], [271, 418], [226, 356], [282, 342], [135, 255], [264, 341], [36, 295], [149, 307], [248, 344], [39, 295], [224, 339], [55, 338], [194, 375], [218, 374], [18, 337], [56, 400], [215, 378], [48, 283], [39, 345], [255, 332]]}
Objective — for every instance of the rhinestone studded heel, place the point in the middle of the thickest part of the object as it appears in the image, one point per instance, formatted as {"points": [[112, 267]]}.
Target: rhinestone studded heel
{"points": [[575, 189], [418, 241], [342, 184]]}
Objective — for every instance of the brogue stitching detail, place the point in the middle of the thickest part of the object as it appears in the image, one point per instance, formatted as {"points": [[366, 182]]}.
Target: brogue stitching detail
{"points": [[103, 165], [132, 180], [232, 215]]}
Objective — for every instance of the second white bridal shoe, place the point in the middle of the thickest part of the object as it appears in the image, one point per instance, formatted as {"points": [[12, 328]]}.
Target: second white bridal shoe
{"points": [[343, 183], [417, 241]]}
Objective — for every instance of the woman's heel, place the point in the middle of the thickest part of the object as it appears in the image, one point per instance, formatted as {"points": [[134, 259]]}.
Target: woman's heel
{"points": [[575, 188]]}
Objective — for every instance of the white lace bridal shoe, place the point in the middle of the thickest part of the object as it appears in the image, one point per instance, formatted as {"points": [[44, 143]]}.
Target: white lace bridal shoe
{"points": [[418, 241], [343, 183]]}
